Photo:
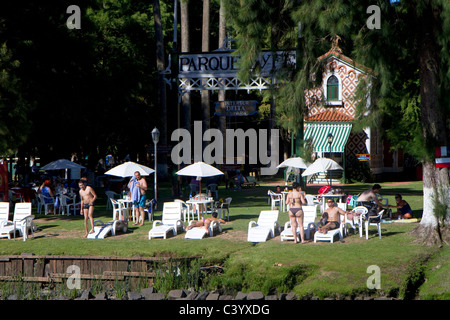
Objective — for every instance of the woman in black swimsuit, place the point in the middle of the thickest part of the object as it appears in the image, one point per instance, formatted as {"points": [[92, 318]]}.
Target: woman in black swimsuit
{"points": [[295, 199]]}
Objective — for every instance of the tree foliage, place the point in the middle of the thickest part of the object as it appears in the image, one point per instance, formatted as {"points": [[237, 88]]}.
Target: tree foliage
{"points": [[93, 89]]}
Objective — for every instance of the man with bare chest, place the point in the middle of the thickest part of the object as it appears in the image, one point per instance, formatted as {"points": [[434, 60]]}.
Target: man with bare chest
{"points": [[88, 197], [334, 217], [138, 189]]}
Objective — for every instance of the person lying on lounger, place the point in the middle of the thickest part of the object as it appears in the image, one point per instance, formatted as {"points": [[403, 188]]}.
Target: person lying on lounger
{"points": [[205, 222]]}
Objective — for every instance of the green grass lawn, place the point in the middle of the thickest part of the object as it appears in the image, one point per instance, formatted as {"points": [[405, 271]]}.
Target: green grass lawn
{"points": [[320, 269]]}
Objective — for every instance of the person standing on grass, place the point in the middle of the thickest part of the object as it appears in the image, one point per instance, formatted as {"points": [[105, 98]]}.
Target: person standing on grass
{"points": [[294, 200], [138, 189], [88, 197]]}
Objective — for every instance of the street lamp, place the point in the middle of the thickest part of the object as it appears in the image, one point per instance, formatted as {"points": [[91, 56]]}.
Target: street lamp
{"points": [[330, 142], [155, 137]]}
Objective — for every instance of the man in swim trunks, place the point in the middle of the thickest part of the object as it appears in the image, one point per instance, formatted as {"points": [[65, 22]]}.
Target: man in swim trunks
{"points": [[368, 197], [294, 200], [88, 197], [334, 217], [140, 183]]}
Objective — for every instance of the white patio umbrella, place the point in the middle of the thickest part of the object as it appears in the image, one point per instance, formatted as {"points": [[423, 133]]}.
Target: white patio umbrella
{"points": [[128, 169], [199, 170], [295, 162], [321, 165]]}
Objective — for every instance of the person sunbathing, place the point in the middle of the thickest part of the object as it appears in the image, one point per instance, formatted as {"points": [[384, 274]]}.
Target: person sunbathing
{"points": [[205, 222], [334, 217]]}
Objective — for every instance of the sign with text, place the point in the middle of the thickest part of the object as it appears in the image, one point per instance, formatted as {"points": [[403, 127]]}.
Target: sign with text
{"points": [[235, 108], [363, 157], [224, 64]]}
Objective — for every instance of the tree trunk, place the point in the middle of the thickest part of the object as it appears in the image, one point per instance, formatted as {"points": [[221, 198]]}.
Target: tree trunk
{"points": [[435, 180], [205, 95], [221, 94], [185, 47], [160, 65]]}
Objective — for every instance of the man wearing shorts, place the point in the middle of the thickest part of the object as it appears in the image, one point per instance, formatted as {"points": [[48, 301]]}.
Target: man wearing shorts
{"points": [[369, 198], [139, 182], [334, 217], [88, 196]]}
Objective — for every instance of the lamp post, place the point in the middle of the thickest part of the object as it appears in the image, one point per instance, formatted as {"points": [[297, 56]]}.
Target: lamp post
{"points": [[155, 137], [330, 142]]}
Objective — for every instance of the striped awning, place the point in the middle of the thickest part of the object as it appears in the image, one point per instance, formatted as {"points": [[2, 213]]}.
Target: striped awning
{"points": [[320, 131]]}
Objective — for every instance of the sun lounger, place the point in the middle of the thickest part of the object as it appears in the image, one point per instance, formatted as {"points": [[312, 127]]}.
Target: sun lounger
{"points": [[111, 228], [201, 232], [22, 222], [329, 236], [171, 221], [250, 181], [266, 227], [309, 216]]}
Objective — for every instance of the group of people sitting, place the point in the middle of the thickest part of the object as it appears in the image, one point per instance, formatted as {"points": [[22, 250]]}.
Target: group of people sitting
{"points": [[331, 217]]}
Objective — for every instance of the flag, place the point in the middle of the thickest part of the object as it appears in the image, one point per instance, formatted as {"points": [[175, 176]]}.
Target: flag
{"points": [[442, 152], [443, 163]]}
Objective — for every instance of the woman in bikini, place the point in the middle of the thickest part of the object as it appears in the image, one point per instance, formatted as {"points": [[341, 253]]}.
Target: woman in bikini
{"points": [[295, 199]]}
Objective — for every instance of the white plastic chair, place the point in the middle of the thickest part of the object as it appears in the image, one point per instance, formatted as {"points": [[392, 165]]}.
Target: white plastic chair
{"points": [[221, 207], [42, 203], [63, 203], [213, 187], [150, 208], [110, 195], [360, 212], [266, 227], [311, 199], [374, 221], [118, 212], [187, 210], [275, 199]]}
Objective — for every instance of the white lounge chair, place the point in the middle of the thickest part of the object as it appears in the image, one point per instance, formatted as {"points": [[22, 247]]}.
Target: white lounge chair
{"points": [[111, 228], [309, 216], [200, 232], [329, 236], [266, 227], [374, 221], [4, 213], [171, 221], [22, 222]]}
